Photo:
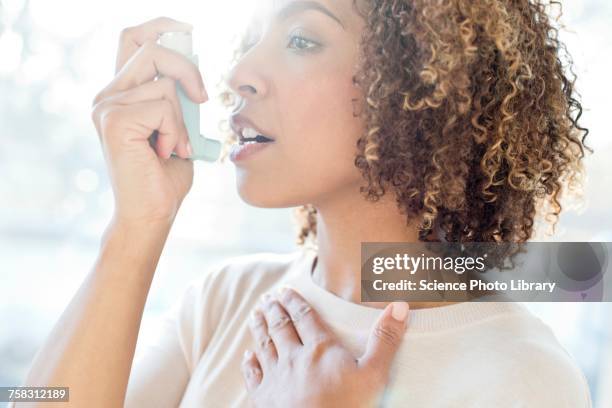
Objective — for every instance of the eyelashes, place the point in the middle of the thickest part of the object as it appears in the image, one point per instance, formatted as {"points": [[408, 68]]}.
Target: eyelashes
{"points": [[297, 42], [299, 39]]}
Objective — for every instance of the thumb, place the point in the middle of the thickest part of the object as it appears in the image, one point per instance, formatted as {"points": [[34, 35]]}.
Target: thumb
{"points": [[385, 338]]}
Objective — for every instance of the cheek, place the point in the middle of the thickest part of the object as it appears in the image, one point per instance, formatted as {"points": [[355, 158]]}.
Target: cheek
{"points": [[316, 150], [315, 154], [324, 132]]}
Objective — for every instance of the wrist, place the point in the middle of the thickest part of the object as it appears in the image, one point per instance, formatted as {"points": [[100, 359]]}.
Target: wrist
{"points": [[137, 236], [151, 227], [134, 246]]}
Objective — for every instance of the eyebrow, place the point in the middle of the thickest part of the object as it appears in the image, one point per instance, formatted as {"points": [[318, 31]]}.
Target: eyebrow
{"points": [[296, 7]]}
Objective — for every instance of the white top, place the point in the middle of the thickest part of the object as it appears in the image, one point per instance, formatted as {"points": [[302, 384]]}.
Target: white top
{"points": [[471, 354]]}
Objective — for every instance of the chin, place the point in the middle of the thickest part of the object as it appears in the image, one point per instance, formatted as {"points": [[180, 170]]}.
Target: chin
{"points": [[261, 195], [266, 194]]}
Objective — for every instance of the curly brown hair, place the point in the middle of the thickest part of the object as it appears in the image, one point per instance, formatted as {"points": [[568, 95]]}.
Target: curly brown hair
{"points": [[471, 117]]}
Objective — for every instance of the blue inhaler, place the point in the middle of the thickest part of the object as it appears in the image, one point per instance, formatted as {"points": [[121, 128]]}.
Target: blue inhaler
{"points": [[203, 148]]}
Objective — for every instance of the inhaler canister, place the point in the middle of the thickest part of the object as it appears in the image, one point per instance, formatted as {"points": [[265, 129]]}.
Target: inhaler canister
{"points": [[203, 148]]}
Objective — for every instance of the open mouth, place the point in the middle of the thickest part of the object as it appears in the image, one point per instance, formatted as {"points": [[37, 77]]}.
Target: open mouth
{"points": [[249, 135]]}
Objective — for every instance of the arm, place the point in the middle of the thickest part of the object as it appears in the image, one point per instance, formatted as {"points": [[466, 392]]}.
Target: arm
{"points": [[91, 347]]}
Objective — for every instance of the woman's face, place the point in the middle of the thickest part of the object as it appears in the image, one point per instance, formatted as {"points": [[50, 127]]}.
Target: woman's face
{"points": [[296, 86]]}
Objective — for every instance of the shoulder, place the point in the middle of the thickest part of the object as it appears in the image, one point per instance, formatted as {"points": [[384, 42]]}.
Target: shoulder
{"points": [[223, 295], [250, 271], [552, 368], [236, 280], [532, 368]]}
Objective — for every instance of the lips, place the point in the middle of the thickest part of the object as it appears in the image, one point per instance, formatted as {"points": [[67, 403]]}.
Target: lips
{"points": [[239, 123]]}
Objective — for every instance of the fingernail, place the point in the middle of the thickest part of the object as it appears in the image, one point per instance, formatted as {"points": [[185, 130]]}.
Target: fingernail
{"points": [[189, 149], [203, 92], [399, 311], [247, 354]]}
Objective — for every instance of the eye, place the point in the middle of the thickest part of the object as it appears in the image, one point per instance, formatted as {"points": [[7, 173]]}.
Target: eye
{"points": [[301, 43]]}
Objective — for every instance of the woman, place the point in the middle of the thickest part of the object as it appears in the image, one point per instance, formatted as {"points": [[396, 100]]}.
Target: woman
{"points": [[397, 121]]}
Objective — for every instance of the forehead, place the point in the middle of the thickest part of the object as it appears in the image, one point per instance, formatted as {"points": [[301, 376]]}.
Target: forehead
{"points": [[267, 10]]}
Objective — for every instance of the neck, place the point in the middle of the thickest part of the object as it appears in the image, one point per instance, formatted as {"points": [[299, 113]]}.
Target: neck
{"points": [[342, 225]]}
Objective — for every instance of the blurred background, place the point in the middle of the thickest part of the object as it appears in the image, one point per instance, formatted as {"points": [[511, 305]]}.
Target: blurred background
{"points": [[55, 198]]}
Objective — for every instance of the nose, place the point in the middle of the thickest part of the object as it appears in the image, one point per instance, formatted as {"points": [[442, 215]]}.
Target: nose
{"points": [[246, 78]]}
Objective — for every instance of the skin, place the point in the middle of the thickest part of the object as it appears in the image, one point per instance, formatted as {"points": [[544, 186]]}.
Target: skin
{"points": [[310, 162], [305, 365], [148, 189], [317, 124]]}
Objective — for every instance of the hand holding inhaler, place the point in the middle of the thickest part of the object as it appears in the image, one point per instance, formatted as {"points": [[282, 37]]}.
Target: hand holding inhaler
{"points": [[203, 148], [146, 114]]}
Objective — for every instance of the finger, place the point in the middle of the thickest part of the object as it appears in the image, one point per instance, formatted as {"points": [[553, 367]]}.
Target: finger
{"points": [[150, 61], [264, 345], [385, 339], [163, 88], [280, 327], [133, 38], [125, 124], [308, 324], [251, 371]]}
